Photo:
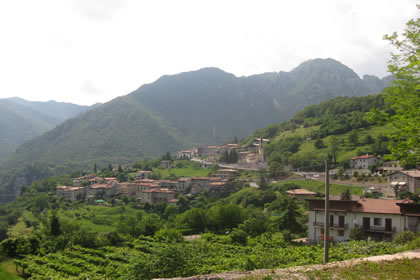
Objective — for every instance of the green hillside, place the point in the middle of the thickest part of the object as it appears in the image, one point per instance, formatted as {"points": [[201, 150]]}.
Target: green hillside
{"points": [[203, 107], [335, 130], [21, 120]]}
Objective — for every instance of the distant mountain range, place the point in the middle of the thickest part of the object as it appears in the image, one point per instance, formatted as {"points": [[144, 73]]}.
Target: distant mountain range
{"points": [[203, 107], [195, 108], [21, 120]]}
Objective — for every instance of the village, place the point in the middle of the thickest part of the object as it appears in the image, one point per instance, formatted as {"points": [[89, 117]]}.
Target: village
{"points": [[381, 219]]}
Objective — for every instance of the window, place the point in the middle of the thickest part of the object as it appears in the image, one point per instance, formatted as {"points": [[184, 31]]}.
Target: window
{"points": [[377, 221], [341, 233], [331, 220], [322, 231]]}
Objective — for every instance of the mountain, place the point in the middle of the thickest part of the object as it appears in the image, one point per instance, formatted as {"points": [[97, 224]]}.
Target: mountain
{"points": [[207, 106], [21, 120]]}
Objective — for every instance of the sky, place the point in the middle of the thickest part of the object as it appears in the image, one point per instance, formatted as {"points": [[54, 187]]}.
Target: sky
{"points": [[88, 51]]}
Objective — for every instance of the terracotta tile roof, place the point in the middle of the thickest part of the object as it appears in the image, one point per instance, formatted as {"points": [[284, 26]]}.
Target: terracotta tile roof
{"points": [[301, 192], [95, 179], [227, 170], [100, 186], [184, 179], [412, 173], [362, 157], [384, 206]]}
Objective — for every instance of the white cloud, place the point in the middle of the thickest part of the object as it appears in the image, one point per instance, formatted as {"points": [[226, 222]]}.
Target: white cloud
{"points": [[61, 49]]}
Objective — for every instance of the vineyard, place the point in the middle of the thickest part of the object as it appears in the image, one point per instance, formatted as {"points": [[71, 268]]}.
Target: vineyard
{"points": [[146, 258]]}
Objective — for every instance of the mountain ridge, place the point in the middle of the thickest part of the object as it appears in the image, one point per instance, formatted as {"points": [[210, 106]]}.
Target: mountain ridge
{"points": [[190, 109]]}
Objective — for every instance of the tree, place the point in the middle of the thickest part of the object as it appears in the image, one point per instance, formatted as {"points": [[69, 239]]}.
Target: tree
{"points": [[353, 138], [403, 96], [367, 140], [110, 167], [333, 147], [55, 226], [319, 144], [346, 195], [95, 168]]}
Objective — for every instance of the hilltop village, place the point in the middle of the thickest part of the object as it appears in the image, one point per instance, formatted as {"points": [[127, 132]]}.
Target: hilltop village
{"points": [[147, 190]]}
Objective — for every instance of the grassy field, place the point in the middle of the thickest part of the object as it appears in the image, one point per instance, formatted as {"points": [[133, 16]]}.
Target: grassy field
{"points": [[403, 269], [7, 271], [317, 186], [346, 150], [98, 218], [397, 269]]}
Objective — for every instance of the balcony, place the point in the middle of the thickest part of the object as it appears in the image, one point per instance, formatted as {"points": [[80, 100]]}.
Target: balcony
{"points": [[379, 229], [336, 226]]}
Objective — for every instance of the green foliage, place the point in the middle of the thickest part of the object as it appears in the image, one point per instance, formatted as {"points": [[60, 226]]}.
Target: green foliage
{"points": [[357, 233], [403, 96], [404, 237], [346, 195]]}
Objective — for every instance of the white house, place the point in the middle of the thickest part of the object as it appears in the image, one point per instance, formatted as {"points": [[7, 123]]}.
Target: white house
{"points": [[364, 162], [380, 219]]}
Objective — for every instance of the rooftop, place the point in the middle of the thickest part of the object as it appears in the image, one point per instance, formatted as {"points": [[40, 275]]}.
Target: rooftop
{"points": [[362, 157], [301, 192]]}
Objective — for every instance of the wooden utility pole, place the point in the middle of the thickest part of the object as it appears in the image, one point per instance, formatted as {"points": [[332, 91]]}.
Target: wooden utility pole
{"points": [[327, 214]]}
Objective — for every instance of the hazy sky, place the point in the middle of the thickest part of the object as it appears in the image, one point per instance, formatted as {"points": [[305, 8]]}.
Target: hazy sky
{"points": [[87, 51]]}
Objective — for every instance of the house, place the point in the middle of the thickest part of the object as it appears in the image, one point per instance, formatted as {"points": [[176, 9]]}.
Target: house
{"points": [[102, 190], [141, 187], [198, 184], [301, 193], [95, 180], [169, 184], [155, 195], [217, 187], [78, 181], [405, 180], [380, 219], [166, 163], [389, 167], [128, 189], [363, 162], [143, 174], [70, 192], [227, 173], [183, 185], [187, 154]]}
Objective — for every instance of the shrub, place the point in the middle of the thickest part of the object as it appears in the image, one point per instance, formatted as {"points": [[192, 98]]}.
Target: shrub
{"points": [[405, 237], [357, 233]]}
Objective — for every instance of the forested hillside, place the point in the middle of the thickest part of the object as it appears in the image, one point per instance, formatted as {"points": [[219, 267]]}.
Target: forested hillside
{"points": [[335, 130], [21, 120]]}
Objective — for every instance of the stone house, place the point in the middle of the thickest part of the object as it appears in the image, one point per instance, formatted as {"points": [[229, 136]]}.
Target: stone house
{"points": [[103, 190], [71, 193], [166, 163], [380, 219], [198, 184], [183, 185], [227, 173], [405, 180], [155, 195], [128, 189], [363, 162]]}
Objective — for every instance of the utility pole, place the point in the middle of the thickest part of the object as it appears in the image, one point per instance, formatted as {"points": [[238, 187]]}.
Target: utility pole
{"points": [[327, 214]]}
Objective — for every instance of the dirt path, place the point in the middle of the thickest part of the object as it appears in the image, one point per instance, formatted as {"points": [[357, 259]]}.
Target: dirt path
{"points": [[298, 271]]}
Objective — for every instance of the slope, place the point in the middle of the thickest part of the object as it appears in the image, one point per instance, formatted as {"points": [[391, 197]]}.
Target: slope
{"points": [[207, 106], [21, 120]]}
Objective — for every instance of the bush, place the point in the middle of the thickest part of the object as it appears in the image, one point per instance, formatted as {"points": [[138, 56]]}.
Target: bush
{"points": [[405, 237], [239, 236], [357, 233]]}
